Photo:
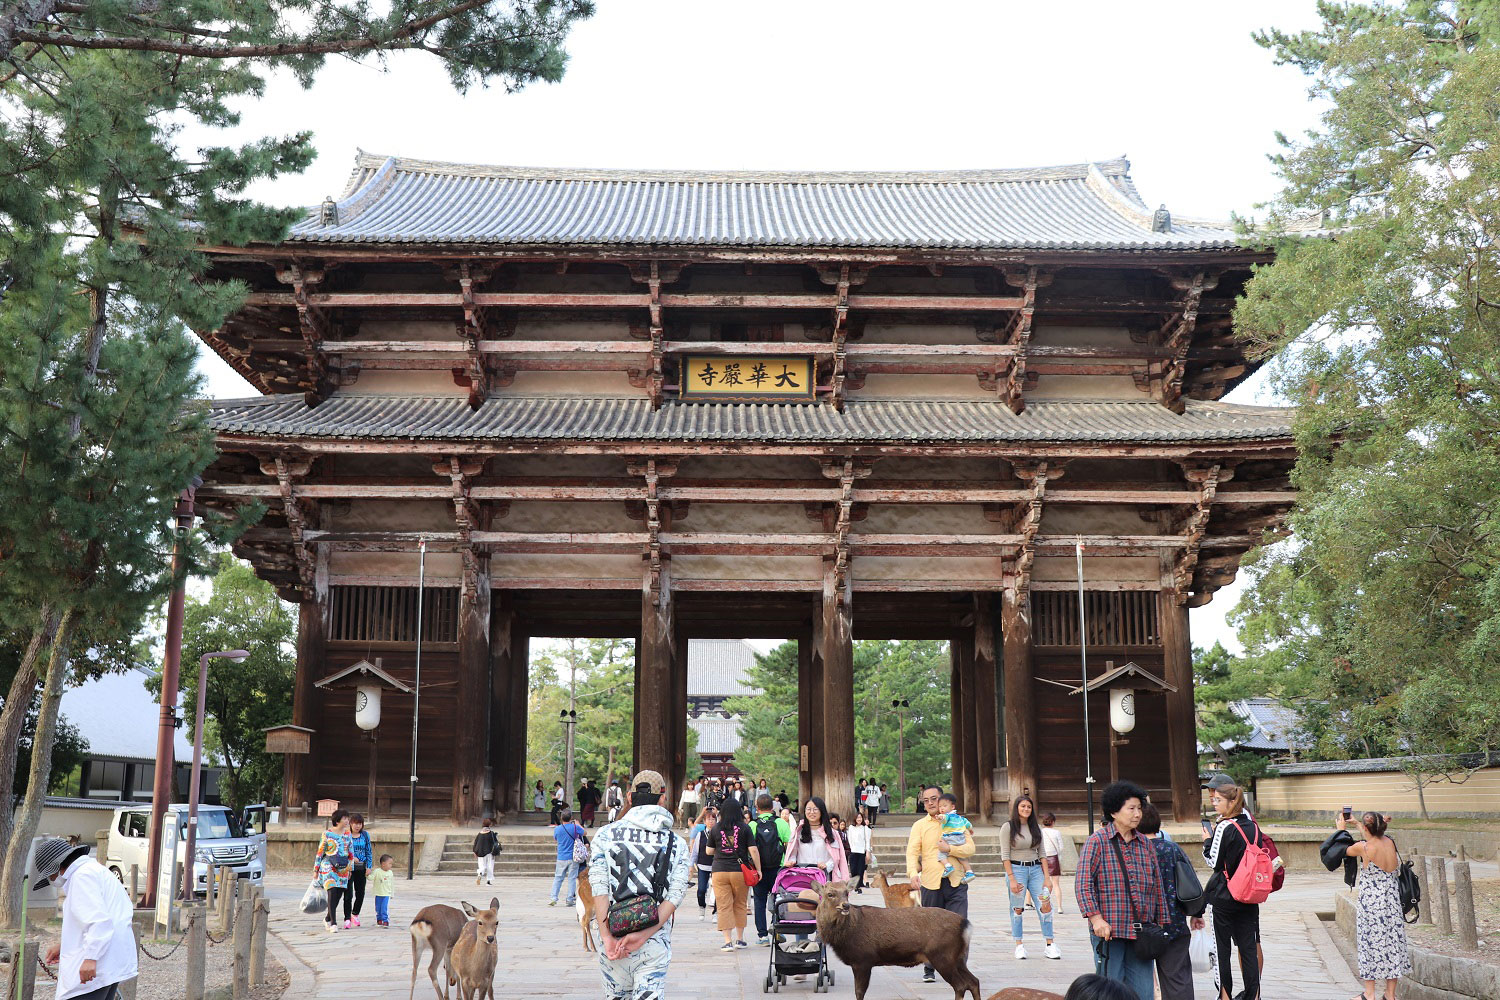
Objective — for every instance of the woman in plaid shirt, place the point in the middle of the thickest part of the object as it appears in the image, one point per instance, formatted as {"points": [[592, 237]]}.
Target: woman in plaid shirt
{"points": [[1104, 894]]}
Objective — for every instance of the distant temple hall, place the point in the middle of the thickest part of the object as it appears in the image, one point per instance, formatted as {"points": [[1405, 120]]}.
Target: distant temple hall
{"points": [[693, 405]]}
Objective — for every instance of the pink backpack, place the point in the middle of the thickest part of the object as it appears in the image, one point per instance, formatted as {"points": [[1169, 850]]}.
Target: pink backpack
{"points": [[1252, 880]]}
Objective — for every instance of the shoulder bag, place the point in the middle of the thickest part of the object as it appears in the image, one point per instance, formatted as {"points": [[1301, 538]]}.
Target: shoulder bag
{"points": [[752, 875], [636, 913], [1190, 894], [580, 846], [1151, 939], [1408, 888]]}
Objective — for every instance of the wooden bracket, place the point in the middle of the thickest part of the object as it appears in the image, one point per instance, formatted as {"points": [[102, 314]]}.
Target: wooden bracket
{"points": [[477, 326], [314, 325], [1027, 521], [656, 518], [1176, 335], [288, 470], [1208, 477], [1018, 335], [467, 516]]}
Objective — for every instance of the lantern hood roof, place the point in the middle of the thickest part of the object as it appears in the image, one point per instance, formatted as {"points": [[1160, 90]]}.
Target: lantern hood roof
{"points": [[1126, 676], [351, 675]]}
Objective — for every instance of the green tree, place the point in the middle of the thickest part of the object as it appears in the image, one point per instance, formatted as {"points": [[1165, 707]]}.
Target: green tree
{"points": [[1219, 678], [1380, 619], [768, 721]]}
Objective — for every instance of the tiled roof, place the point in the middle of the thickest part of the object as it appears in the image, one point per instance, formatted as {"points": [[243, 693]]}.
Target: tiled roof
{"points": [[119, 717], [1275, 725], [716, 733], [1085, 206], [872, 421], [717, 667]]}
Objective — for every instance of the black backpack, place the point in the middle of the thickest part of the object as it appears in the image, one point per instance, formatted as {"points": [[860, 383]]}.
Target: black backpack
{"points": [[768, 842], [1408, 888]]}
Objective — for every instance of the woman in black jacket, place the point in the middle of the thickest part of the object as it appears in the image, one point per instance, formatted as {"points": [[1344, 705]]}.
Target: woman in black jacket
{"points": [[1234, 922], [731, 844]]}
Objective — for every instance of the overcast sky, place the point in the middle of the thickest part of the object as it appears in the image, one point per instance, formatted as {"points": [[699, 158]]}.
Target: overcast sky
{"points": [[1178, 86]]}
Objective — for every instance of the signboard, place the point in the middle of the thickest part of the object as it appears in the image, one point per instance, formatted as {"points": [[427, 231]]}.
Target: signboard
{"points": [[166, 885], [288, 739], [748, 377]]}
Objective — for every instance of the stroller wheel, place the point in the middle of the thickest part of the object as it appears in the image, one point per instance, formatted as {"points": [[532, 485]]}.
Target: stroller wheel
{"points": [[766, 986], [776, 986]]}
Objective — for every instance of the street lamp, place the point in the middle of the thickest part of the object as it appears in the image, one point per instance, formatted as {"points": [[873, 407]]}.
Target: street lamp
{"points": [[901, 705], [189, 882], [569, 718]]}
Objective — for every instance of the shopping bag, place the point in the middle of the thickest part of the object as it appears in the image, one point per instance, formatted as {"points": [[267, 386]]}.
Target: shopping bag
{"points": [[314, 900], [1198, 949]]}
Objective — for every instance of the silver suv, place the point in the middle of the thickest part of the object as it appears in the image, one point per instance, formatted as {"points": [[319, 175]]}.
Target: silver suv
{"points": [[222, 840]]}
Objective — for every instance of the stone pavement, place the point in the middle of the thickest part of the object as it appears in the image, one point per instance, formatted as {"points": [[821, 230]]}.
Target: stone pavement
{"points": [[542, 955]]}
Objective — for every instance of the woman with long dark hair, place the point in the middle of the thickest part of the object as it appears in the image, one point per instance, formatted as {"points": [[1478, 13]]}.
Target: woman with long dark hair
{"points": [[1380, 928], [815, 844], [731, 844], [1236, 924], [1021, 850]]}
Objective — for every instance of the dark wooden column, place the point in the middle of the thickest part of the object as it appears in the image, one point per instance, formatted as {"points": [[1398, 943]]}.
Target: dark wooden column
{"points": [[807, 761], [502, 628], [1182, 723], [678, 719], [470, 716], [837, 737], [312, 648], [986, 712], [969, 720], [956, 719], [655, 659], [1020, 703]]}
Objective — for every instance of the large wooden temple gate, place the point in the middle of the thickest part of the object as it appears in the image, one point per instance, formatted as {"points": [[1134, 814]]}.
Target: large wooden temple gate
{"points": [[816, 407]]}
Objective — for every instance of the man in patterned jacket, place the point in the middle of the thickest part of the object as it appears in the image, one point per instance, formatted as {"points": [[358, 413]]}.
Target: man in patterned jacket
{"points": [[638, 854]]}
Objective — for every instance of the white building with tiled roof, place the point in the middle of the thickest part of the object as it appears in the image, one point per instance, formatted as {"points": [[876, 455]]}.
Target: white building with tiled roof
{"points": [[717, 669]]}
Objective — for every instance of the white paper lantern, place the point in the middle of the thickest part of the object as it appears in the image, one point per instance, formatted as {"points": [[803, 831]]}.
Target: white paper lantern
{"points": [[1122, 710], [367, 706]]}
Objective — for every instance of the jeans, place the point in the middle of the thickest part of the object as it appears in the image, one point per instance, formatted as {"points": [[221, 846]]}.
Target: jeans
{"points": [[762, 892], [703, 888], [383, 909], [1033, 880], [565, 870], [954, 899], [1115, 959], [641, 975]]}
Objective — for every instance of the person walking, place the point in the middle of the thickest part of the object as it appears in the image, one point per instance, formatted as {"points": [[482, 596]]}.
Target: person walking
{"points": [[588, 801], [687, 804], [702, 862], [1118, 886], [1021, 847], [874, 802], [363, 854], [382, 884], [927, 855], [772, 834], [1379, 926], [559, 800], [859, 850], [732, 847], [639, 858], [1235, 924], [569, 836], [613, 799], [333, 864], [96, 951], [815, 844], [1174, 968], [486, 846], [1214, 783], [1052, 846]]}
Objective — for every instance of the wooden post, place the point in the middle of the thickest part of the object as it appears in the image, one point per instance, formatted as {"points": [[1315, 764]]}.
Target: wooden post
{"points": [[1440, 905], [473, 695], [986, 711], [311, 653], [1182, 724], [227, 886], [508, 705], [1463, 899], [805, 716], [654, 666], [211, 889], [677, 719], [838, 693], [261, 920], [135, 885], [129, 986], [1020, 705], [816, 737], [1424, 905], [197, 951], [242, 927], [965, 717], [24, 970]]}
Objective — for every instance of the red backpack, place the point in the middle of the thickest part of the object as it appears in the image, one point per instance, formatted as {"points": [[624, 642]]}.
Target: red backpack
{"points": [[1251, 881], [1278, 872]]}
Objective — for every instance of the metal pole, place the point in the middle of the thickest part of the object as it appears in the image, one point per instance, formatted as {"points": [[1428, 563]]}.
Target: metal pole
{"points": [[161, 786], [1083, 651], [190, 862], [901, 750], [416, 704]]}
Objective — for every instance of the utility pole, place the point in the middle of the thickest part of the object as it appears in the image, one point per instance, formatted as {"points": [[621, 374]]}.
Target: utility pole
{"points": [[901, 705]]}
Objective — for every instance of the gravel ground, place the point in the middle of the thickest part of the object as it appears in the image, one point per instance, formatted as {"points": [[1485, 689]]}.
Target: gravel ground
{"points": [[165, 980], [1486, 919]]}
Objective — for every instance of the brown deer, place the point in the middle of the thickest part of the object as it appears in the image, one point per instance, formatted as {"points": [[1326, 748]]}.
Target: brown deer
{"points": [[475, 952], [866, 936], [896, 896], [435, 927], [586, 910]]}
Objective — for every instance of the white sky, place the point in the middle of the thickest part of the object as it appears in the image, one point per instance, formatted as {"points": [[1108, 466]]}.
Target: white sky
{"points": [[1176, 85]]}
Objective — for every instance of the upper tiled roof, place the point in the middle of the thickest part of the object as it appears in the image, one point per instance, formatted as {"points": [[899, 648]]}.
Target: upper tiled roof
{"points": [[1275, 725], [1084, 206], [869, 421], [717, 667]]}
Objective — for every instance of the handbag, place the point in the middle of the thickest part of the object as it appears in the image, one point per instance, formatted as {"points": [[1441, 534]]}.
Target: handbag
{"points": [[1151, 939], [637, 912], [580, 850], [750, 872]]}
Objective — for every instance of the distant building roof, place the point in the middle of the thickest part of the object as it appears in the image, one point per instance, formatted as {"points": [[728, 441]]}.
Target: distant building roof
{"points": [[716, 733], [1275, 726], [119, 717], [1432, 765], [717, 668], [1082, 206]]}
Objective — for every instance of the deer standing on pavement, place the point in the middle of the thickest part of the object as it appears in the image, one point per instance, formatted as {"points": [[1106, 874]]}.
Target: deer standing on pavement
{"points": [[586, 910], [475, 952], [436, 927]]}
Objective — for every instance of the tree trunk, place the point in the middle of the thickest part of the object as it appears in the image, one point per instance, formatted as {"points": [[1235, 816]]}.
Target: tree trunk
{"points": [[13, 717], [1422, 796], [30, 813]]}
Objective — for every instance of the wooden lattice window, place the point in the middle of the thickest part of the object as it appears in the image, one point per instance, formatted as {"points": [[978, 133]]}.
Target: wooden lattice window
{"points": [[1114, 617], [389, 614]]}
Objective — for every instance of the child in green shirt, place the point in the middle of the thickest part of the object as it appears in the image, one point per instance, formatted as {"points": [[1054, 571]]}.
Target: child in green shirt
{"points": [[956, 832], [381, 881]]}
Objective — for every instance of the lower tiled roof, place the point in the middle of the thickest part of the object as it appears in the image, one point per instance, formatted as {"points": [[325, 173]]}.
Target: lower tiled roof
{"points": [[870, 421]]}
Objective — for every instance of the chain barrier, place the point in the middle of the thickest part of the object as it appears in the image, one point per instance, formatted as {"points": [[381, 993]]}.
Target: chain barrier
{"points": [[170, 952], [45, 971], [217, 940]]}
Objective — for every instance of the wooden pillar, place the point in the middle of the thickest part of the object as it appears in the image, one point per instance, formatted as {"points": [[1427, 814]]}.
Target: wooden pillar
{"points": [[986, 712], [967, 718], [678, 719], [655, 659], [837, 736], [469, 717], [960, 777], [807, 763], [312, 647], [1020, 704], [509, 702], [1182, 723]]}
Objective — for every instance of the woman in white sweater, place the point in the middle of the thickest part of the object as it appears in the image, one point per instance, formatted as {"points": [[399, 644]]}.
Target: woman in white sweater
{"points": [[859, 849]]}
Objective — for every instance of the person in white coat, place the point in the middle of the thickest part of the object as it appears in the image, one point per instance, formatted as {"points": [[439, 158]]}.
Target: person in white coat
{"points": [[97, 950]]}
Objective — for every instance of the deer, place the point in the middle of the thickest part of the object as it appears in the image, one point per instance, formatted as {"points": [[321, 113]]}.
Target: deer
{"points": [[866, 936], [896, 896], [436, 927], [585, 907], [475, 952]]}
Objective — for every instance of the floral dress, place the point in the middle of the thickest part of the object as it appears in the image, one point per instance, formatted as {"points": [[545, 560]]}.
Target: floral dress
{"points": [[1380, 931], [330, 845]]}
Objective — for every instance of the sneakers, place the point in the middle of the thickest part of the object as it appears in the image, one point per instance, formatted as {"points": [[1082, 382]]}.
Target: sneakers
{"points": [[489, 881], [764, 939], [727, 946], [969, 876], [1020, 952], [552, 903], [929, 977], [742, 943], [476, 879], [1051, 951], [382, 923], [947, 871], [332, 928], [348, 924], [702, 913], [354, 921]]}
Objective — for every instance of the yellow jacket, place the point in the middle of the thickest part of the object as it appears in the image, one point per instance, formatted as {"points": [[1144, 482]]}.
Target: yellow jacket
{"points": [[923, 858]]}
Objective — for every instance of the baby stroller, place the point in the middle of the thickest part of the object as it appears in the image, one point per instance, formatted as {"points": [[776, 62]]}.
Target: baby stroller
{"points": [[791, 955]]}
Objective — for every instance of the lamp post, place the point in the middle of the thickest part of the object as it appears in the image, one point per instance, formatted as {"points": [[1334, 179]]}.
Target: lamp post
{"points": [[569, 718], [190, 861], [901, 705]]}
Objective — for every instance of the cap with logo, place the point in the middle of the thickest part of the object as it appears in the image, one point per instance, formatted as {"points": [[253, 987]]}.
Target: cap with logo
{"points": [[52, 856], [651, 779]]}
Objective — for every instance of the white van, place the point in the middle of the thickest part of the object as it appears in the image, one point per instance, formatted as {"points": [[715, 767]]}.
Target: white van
{"points": [[223, 839]]}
